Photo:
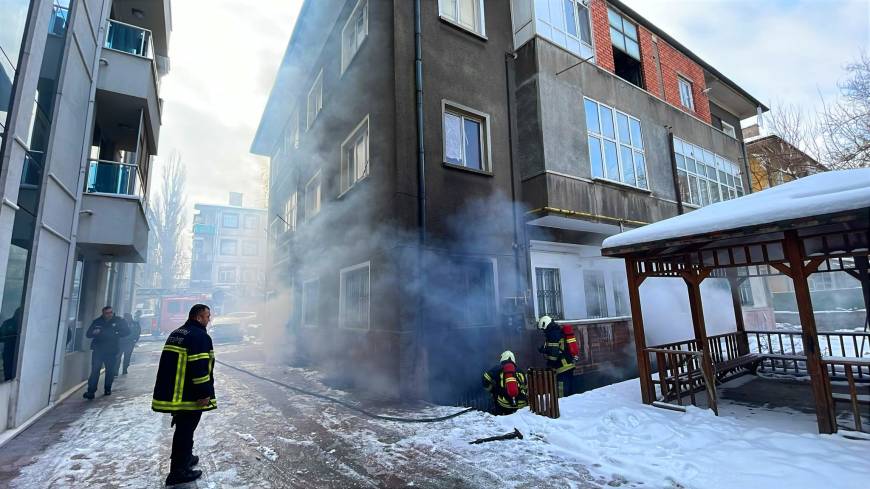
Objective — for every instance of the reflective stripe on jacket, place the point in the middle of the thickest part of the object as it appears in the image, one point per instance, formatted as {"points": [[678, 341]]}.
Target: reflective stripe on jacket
{"points": [[556, 350], [494, 382], [186, 371]]}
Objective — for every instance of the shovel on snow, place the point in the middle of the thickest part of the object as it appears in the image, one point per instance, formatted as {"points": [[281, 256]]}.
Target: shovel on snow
{"points": [[509, 436]]}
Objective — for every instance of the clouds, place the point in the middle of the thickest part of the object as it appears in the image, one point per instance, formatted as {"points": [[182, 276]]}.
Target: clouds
{"points": [[779, 50]]}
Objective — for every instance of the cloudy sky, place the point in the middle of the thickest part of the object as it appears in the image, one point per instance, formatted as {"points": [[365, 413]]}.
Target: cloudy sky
{"points": [[225, 54]]}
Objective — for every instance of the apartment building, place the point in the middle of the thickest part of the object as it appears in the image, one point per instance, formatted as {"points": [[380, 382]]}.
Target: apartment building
{"points": [[442, 175], [80, 113], [229, 250]]}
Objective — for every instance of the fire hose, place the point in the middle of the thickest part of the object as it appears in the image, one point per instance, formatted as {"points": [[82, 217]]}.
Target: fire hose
{"points": [[344, 403]]}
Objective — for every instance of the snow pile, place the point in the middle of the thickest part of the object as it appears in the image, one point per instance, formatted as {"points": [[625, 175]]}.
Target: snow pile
{"points": [[819, 194], [611, 432]]}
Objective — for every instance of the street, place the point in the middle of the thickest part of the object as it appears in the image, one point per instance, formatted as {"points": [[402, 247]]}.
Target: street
{"points": [[264, 436]]}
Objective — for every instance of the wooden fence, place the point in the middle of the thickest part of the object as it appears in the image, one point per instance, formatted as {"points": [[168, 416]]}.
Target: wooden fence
{"points": [[543, 392]]}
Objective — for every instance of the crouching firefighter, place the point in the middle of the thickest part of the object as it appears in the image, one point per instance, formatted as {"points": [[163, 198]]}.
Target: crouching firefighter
{"points": [[185, 388], [507, 384], [560, 347]]}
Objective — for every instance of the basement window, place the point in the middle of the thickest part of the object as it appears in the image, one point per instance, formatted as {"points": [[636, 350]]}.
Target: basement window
{"points": [[354, 295], [626, 52]]}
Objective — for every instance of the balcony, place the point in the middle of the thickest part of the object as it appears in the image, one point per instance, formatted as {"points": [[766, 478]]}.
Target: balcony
{"points": [[112, 225], [128, 82]]}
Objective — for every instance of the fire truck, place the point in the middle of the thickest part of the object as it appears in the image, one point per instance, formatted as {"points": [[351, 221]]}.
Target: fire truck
{"points": [[171, 312]]}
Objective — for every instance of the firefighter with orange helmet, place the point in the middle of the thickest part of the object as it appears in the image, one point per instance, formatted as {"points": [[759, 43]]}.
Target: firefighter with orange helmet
{"points": [[507, 384], [560, 348]]}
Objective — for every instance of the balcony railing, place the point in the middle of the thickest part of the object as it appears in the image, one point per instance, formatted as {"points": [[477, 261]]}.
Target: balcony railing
{"points": [[112, 177], [129, 39]]}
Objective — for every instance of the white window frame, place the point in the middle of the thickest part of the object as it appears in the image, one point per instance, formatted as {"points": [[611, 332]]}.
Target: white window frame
{"points": [[305, 286], [291, 211], [687, 94], [293, 130], [453, 17], [228, 214], [314, 106], [617, 139], [482, 118], [221, 247], [728, 129], [361, 8], [342, 295], [362, 130], [697, 178], [227, 269], [317, 203]]}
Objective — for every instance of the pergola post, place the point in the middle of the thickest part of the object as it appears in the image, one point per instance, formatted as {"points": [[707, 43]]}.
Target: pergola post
{"points": [[647, 390], [693, 282], [863, 265], [819, 381], [742, 338]]}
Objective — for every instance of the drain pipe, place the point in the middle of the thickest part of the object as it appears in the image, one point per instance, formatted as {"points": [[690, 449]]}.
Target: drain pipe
{"points": [[421, 153], [679, 194]]}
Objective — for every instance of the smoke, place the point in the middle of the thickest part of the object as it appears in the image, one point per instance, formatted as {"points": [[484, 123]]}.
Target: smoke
{"points": [[666, 314]]}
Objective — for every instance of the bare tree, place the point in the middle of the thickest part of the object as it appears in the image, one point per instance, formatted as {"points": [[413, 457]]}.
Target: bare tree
{"points": [[168, 216], [796, 151], [846, 122]]}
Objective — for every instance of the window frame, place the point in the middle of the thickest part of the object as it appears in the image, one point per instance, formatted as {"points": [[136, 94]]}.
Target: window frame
{"points": [[733, 130], [305, 286], [687, 99], [558, 296], [227, 269], [712, 163], [347, 58], [492, 265], [601, 294], [224, 216], [455, 21], [342, 296], [625, 36], [316, 84], [291, 221], [308, 214], [255, 219], [617, 140], [228, 240], [363, 128], [484, 140]]}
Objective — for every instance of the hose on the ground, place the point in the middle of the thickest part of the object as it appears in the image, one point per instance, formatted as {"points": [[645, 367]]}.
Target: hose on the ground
{"points": [[346, 404]]}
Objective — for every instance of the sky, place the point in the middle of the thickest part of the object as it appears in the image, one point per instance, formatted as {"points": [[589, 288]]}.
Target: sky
{"points": [[225, 54]]}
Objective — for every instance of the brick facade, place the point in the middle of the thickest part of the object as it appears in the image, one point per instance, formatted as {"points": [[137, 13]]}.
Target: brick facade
{"points": [[673, 63]]}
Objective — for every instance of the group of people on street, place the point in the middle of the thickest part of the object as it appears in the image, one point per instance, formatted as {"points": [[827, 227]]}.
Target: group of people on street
{"points": [[506, 382], [113, 339]]}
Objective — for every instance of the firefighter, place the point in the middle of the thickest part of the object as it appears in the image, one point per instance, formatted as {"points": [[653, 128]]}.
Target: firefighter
{"points": [[507, 384], [185, 388], [560, 347]]}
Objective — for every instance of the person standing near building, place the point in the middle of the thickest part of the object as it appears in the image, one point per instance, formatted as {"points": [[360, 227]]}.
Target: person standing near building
{"points": [[128, 342], [507, 384], [560, 347], [106, 332], [184, 388]]}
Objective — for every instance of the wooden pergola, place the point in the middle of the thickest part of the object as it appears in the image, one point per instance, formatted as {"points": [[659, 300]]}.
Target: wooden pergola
{"points": [[809, 238]]}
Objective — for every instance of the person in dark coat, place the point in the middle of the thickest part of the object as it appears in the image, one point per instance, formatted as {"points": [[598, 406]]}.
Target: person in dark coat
{"points": [[9, 331], [106, 332], [184, 388], [128, 342]]}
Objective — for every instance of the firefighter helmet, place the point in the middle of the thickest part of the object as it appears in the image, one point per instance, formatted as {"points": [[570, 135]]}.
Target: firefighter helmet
{"points": [[508, 356], [544, 321]]}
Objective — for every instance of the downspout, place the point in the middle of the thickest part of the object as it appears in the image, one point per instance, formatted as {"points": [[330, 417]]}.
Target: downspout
{"points": [[679, 195], [421, 153], [413, 357], [518, 248], [59, 349]]}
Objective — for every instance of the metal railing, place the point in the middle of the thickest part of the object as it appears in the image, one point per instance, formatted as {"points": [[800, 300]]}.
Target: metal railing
{"points": [[113, 177], [129, 39]]}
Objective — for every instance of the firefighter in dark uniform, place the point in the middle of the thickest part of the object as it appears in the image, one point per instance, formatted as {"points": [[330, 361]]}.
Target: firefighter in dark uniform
{"points": [[106, 332], [185, 388], [557, 350], [507, 384]]}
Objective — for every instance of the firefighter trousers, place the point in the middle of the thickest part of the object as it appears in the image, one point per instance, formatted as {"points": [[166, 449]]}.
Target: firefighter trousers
{"points": [[182, 441], [565, 382]]}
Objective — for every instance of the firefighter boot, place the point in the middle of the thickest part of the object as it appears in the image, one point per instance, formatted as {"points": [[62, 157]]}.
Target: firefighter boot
{"points": [[194, 461]]}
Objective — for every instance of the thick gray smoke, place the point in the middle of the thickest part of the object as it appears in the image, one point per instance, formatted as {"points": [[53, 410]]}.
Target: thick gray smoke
{"points": [[666, 314]]}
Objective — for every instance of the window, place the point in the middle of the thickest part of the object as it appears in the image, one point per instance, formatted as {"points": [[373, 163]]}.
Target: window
{"points": [[466, 138], [354, 33], [745, 289], [729, 129], [290, 212], [626, 55], [467, 14], [230, 220], [293, 132], [620, 294], [686, 98], [226, 275], [250, 248], [229, 247], [355, 156], [615, 145], [549, 293], [315, 99], [474, 285], [704, 177], [354, 295], [252, 221], [310, 303], [596, 294], [821, 281], [312, 196], [566, 23]]}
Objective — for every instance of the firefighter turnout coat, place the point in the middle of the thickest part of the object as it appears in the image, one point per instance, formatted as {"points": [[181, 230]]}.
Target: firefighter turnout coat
{"points": [[186, 371], [557, 350], [497, 381]]}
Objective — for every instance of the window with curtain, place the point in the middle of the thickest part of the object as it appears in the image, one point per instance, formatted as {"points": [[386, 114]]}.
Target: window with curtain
{"points": [[465, 13]]}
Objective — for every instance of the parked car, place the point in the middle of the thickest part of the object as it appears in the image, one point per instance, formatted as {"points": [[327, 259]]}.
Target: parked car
{"points": [[232, 327]]}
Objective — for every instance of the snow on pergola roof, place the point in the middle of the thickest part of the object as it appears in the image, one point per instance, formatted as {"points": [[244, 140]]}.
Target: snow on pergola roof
{"points": [[816, 195]]}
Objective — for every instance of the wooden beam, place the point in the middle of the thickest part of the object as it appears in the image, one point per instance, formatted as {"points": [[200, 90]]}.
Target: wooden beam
{"points": [[742, 339], [697, 307], [647, 389], [783, 268], [819, 381], [813, 266]]}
